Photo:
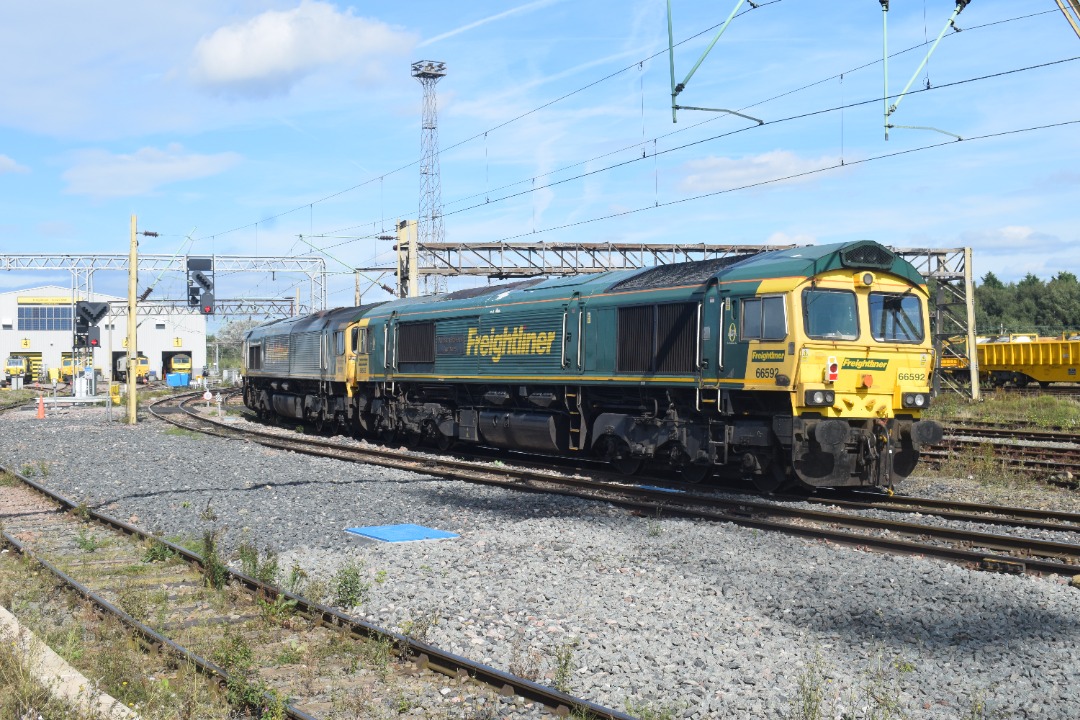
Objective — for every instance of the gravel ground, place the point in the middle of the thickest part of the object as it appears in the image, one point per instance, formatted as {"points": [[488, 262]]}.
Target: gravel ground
{"points": [[662, 617]]}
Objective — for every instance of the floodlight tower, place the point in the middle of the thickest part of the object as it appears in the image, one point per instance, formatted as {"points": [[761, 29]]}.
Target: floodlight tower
{"points": [[430, 225]]}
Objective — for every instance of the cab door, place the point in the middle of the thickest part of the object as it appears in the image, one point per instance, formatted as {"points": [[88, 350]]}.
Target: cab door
{"points": [[573, 330], [710, 341]]}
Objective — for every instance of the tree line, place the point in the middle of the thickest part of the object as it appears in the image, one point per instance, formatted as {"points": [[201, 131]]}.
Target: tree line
{"points": [[1028, 306]]}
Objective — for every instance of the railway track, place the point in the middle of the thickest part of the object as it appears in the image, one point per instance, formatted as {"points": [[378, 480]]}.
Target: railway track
{"points": [[1058, 459], [974, 548], [193, 606]]}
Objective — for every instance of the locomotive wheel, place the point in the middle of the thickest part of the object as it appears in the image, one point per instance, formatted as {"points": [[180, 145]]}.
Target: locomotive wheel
{"points": [[772, 479], [695, 473], [617, 454], [627, 465], [443, 442], [320, 422]]}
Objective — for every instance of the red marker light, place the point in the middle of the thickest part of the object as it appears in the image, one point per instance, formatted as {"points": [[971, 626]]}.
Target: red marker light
{"points": [[832, 370]]}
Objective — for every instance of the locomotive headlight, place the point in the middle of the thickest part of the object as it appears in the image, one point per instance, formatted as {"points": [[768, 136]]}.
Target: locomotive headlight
{"points": [[820, 397], [915, 400]]}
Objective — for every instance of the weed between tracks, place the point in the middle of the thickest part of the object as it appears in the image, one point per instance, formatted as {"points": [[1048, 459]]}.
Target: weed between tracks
{"points": [[157, 686], [875, 695], [1000, 406]]}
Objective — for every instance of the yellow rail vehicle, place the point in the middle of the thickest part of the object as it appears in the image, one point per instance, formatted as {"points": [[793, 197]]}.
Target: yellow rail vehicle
{"points": [[69, 368], [180, 364], [16, 367], [1022, 361]]}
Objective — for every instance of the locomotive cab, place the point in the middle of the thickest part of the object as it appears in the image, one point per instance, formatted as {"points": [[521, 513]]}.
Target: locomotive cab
{"points": [[863, 379]]}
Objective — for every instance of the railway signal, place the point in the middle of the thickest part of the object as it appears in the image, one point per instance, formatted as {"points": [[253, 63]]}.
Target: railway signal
{"points": [[90, 313], [87, 316], [201, 284]]}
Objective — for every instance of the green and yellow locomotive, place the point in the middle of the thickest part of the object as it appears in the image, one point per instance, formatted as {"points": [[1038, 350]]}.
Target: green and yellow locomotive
{"points": [[810, 364]]}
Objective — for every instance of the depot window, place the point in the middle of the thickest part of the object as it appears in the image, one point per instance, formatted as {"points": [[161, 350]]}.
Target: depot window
{"points": [[830, 314], [896, 318], [45, 317], [764, 318]]}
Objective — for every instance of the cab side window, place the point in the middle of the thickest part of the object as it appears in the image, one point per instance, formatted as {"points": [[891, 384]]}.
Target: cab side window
{"points": [[764, 318]]}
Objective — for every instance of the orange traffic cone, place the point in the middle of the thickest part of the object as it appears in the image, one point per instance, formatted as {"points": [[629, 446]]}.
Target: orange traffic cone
{"points": [[41, 407]]}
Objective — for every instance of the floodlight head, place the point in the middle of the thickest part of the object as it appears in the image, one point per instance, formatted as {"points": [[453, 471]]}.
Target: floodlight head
{"points": [[425, 69]]}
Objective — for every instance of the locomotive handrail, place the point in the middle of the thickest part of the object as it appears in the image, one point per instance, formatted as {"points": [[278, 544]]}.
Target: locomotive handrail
{"points": [[580, 315], [697, 339], [562, 345], [386, 347]]}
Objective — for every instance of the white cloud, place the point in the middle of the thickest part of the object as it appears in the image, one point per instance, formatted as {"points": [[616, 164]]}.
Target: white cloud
{"points": [[7, 165], [723, 173], [528, 7], [268, 54], [1007, 240], [101, 174]]}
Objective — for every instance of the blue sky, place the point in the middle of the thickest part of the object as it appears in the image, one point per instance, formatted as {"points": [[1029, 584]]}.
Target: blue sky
{"points": [[237, 127]]}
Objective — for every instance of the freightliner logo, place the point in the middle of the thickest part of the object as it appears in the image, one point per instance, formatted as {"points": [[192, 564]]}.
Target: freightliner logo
{"points": [[767, 356], [864, 364]]}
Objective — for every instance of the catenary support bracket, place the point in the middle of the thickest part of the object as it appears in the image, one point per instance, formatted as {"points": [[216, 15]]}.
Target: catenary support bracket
{"points": [[890, 109], [678, 88]]}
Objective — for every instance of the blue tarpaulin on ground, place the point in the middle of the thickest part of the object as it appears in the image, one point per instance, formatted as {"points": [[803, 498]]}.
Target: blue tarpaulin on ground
{"points": [[401, 533]]}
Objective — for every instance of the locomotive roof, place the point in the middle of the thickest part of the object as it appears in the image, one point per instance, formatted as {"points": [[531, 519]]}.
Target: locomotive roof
{"points": [[311, 323], [810, 260], [802, 261]]}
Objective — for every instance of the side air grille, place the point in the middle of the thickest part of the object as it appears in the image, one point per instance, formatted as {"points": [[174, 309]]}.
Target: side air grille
{"points": [[658, 338], [416, 343], [636, 338], [675, 335], [870, 255]]}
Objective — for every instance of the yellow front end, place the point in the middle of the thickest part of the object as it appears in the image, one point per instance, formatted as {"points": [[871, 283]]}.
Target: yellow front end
{"points": [[68, 369], [862, 378], [142, 369]]}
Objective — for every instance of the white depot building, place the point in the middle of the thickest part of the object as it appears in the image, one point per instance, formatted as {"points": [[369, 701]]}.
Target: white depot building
{"points": [[37, 324]]}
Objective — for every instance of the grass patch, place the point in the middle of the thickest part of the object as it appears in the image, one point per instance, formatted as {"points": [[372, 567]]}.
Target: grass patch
{"points": [[264, 570], [157, 551], [182, 432], [86, 542], [157, 686], [1000, 406], [215, 572], [20, 693], [348, 586]]}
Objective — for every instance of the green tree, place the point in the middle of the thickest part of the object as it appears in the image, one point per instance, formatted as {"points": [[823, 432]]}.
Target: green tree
{"points": [[227, 344], [1030, 305]]}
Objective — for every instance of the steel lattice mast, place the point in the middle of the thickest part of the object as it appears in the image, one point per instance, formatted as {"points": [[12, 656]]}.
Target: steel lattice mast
{"points": [[430, 225]]}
